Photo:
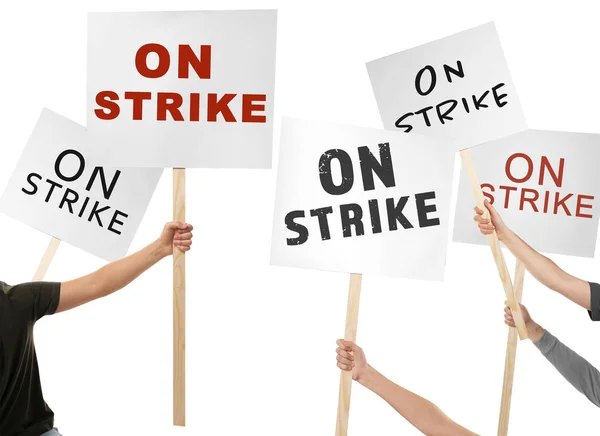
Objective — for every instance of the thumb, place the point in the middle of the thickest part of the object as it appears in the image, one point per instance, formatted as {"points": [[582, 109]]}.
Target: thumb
{"points": [[176, 225], [490, 208]]}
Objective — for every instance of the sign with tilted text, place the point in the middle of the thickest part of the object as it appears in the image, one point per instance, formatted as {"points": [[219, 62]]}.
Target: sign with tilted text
{"points": [[57, 188]]}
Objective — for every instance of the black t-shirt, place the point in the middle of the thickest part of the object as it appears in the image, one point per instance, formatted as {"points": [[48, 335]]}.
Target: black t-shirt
{"points": [[23, 411]]}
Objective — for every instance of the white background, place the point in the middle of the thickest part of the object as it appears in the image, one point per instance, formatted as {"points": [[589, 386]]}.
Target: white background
{"points": [[261, 339]]}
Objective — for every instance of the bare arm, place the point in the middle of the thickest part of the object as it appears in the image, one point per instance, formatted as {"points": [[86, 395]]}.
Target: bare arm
{"points": [[421, 413], [538, 265], [120, 273]]}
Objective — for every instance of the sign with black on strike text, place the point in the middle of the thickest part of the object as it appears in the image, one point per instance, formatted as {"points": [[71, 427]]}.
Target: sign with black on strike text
{"points": [[359, 200], [545, 185], [59, 189], [458, 87], [182, 89]]}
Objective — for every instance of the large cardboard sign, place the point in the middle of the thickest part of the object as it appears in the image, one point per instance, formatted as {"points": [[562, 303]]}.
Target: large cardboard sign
{"points": [[361, 200], [58, 188], [545, 184], [457, 87], [182, 89]]}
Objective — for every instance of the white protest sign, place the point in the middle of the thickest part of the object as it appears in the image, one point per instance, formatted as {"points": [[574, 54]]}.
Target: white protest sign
{"points": [[361, 200], [457, 87], [58, 188], [182, 89], [544, 184]]}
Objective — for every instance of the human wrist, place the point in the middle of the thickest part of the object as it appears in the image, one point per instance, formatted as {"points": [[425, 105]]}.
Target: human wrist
{"points": [[504, 234], [534, 331], [162, 250], [367, 376]]}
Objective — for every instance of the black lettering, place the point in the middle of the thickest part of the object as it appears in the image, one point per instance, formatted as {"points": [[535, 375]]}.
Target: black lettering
{"points": [[114, 220], [67, 200], [375, 218], [395, 214], [59, 160], [33, 185], [325, 172], [407, 127], [497, 97], [107, 191], [445, 116], [321, 213], [51, 190], [296, 227], [425, 116], [418, 80], [355, 220], [383, 168], [96, 213], [423, 209], [478, 102], [458, 73]]}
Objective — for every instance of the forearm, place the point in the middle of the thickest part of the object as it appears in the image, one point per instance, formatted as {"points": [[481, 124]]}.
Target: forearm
{"points": [[421, 413], [118, 274], [575, 369], [546, 271], [110, 278]]}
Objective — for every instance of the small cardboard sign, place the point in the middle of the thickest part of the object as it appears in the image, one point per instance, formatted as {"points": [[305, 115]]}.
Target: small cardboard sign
{"points": [[182, 89], [361, 200], [457, 87], [545, 185], [57, 188]]}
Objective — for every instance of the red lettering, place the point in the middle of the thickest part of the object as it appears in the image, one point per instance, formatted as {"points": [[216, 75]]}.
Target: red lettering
{"points": [[138, 102], [249, 106], [220, 106], [557, 178], [169, 102], [194, 106], [561, 203], [529, 167], [201, 65], [105, 99], [141, 58], [530, 200], [581, 205], [487, 195], [507, 190]]}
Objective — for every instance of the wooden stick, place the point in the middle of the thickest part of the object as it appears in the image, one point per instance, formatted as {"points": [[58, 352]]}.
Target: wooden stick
{"points": [[178, 304], [495, 246], [46, 260], [343, 412], [511, 357]]}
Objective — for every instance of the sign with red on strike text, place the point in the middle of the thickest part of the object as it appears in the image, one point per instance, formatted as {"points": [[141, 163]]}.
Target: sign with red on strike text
{"points": [[182, 89], [545, 185]]}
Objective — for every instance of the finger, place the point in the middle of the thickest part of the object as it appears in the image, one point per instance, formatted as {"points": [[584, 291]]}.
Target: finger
{"points": [[183, 235], [183, 249], [487, 232], [175, 225], [477, 210], [487, 227], [345, 354], [343, 367], [347, 345], [343, 360], [481, 219], [185, 243]]}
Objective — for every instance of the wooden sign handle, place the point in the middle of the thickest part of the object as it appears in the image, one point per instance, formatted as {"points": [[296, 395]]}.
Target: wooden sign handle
{"points": [[511, 357], [42, 269], [494, 245], [343, 412], [178, 304]]}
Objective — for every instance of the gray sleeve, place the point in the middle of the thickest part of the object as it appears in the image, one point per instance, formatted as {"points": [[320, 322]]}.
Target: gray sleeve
{"points": [[574, 368]]}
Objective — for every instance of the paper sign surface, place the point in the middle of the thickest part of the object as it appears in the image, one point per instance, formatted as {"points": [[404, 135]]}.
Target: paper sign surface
{"points": [[361, 200], [544, 184], [182, 89], [457, 87], [58, 189]]}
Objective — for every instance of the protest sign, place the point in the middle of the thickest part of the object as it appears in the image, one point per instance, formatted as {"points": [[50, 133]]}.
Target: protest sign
{"points": [[185, 89], [182, 89], [544, 184], [458, 87], [58, 188], [361, 200]]}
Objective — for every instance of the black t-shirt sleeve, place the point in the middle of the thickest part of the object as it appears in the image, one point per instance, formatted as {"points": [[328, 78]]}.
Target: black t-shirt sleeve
{"points": [[44, 298], [594, 301]]}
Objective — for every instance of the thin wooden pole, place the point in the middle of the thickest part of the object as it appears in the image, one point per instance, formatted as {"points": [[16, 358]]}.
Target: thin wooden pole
{"points": [[495, 246], [343, 412], [42, 269], [511, 357], [178, 304]]}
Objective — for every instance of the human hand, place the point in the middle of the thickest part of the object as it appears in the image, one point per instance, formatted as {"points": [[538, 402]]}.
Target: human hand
{"points": [[350, 357], [487, 226], [534, 330], [178, 234]]}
